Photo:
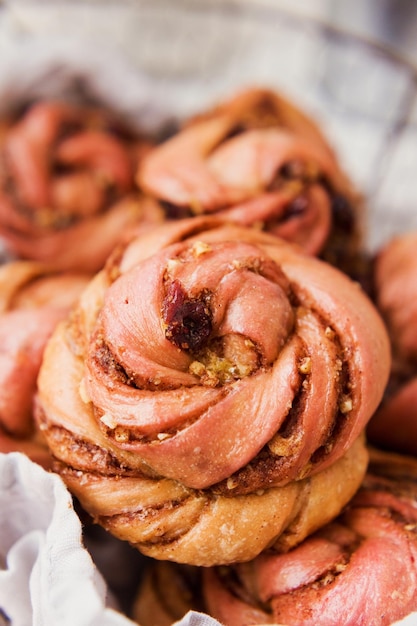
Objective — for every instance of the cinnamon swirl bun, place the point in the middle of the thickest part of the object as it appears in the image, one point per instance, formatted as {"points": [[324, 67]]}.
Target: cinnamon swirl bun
{"points": [[394, 426], [258, 160], [33, 299], [67, 192], [358, 570], [214, 384]]}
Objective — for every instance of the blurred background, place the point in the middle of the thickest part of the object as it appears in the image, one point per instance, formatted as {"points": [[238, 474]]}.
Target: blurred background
{"points": [[353, 65]]}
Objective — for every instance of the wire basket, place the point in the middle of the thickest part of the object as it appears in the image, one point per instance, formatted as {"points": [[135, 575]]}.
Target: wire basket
{"points": [[195, 53]]}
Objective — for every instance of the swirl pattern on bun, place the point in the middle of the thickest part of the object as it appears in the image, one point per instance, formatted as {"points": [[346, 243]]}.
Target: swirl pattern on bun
{"points": [[359, 569], [213, 368], [67, 192], [258, 160]]}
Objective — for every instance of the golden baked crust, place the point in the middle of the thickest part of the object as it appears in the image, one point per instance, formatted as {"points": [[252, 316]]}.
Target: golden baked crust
{"points": [[359, 569], [208, 369], [165, 520]]}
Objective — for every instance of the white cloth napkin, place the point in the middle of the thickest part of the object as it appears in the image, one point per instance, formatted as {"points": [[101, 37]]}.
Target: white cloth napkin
{"points": [[47, 577]]}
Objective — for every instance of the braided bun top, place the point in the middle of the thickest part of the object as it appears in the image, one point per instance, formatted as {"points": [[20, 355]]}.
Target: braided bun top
{"points": [[221, 355]]}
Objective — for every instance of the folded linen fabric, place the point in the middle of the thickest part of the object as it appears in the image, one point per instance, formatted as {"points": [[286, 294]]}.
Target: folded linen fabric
{"points": [[46, 576]]}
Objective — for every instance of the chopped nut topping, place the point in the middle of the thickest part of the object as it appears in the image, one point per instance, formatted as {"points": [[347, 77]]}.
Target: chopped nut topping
{"points": [[121, 435], [197, 368], [108, 420], [231, 483], [345, 405], [163, 436], [113, 272], [172, 264], [329, 332], [284, 446], [237, 264], [228, 358], [327, 579], [200, 247], [340, 567], [305, 365], [208, 377]]}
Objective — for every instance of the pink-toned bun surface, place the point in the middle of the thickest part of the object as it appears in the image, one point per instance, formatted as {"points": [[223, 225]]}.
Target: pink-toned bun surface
{"points": [[67, 192], [358, 570], [395, 424], [396, 293], [208, 365], [257, 160], [32, 301]]}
